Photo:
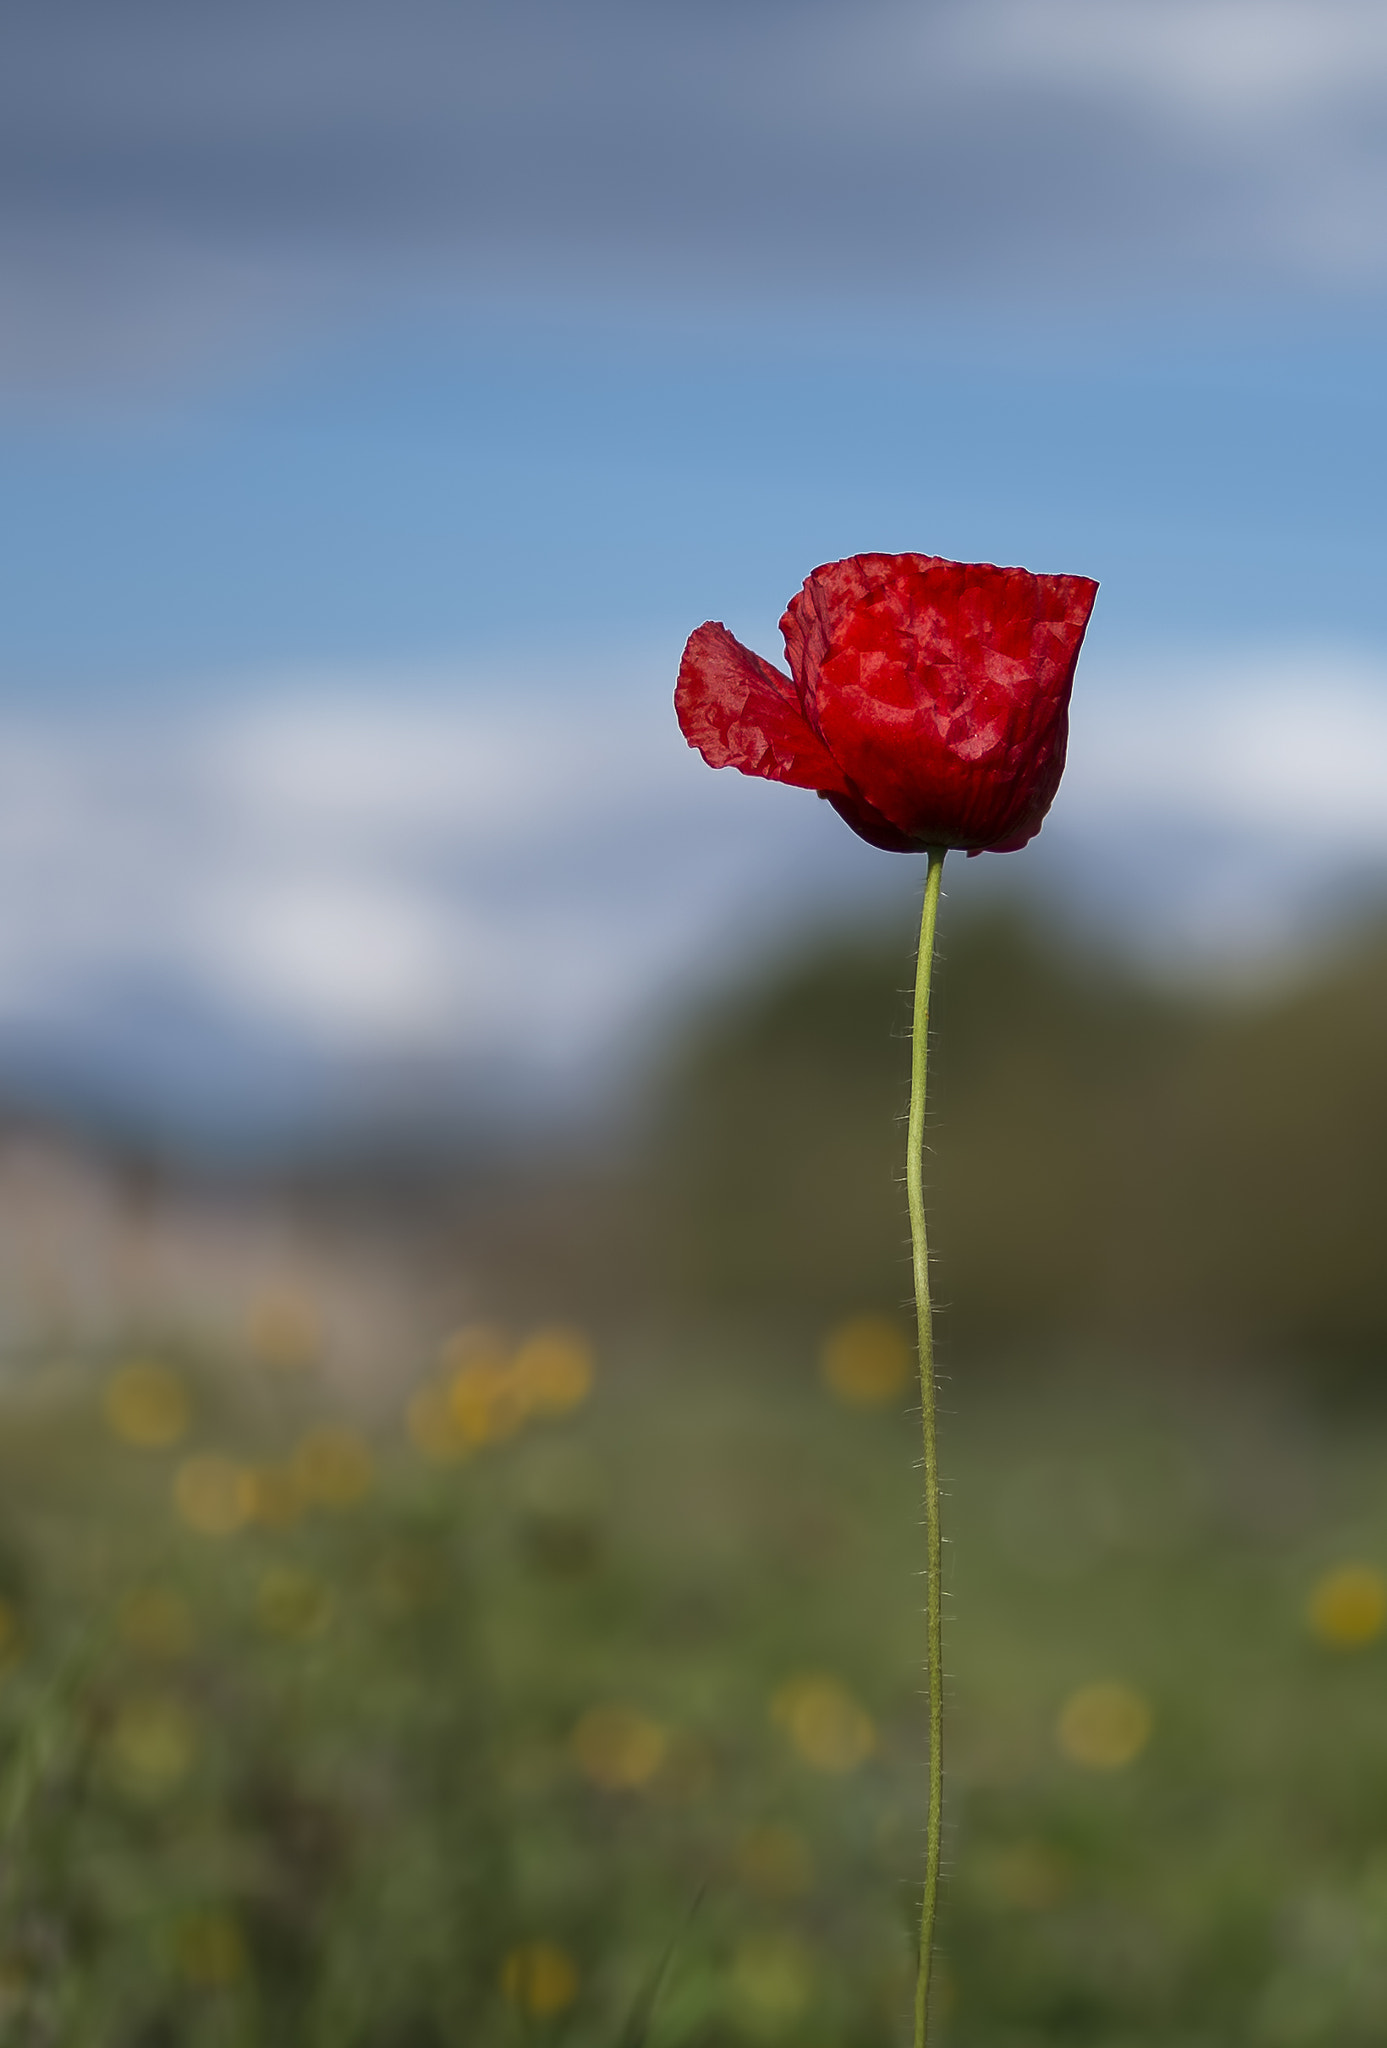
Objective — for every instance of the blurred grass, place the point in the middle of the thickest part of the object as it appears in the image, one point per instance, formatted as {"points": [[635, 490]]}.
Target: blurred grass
{"points": [[553, 1694], [445, 1741], [1143, 1166]]}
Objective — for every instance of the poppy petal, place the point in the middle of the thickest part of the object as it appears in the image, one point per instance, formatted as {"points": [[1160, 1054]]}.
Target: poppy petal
{"points": [[870, 825], [740, 712], [942, 688]]}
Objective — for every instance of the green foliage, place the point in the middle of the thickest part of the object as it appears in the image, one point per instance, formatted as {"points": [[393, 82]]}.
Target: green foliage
{"points": [[778, 1162], [628, 1701], [1108, 1160]]}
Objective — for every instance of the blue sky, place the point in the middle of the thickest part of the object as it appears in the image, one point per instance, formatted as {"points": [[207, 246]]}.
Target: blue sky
{"points": [[386, 390], [422, 496]]}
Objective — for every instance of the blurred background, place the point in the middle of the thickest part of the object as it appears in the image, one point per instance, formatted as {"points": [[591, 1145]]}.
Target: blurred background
{"points": [[458, 1541]]}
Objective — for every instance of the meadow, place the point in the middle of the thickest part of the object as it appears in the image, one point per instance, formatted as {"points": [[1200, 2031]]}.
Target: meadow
{"points": [[580, 1702], [555, 1674]]}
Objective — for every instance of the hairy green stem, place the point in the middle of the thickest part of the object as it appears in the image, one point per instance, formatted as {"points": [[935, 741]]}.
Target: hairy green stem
{"points": [[915, 1189]]}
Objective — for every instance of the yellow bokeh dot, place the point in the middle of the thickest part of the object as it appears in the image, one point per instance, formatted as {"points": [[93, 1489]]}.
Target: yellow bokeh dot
{"points": [[1348, 1607], [285, 1329], [487, 1393], [540, 1978], [214, 1495], [867, 1361], [211, 1950], [272, 1495], [157, 1623], [827, 1726], [150, 1747], [776, 1861], [292, 1603], [333, 1467], [486, 1401], [618, 1748], [1104, 1727], [485, 1397], [147, 1405], [553, 1371], [432, 1426], [772, 1979]]}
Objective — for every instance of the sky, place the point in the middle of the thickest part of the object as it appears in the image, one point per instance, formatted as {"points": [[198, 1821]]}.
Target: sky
{"points": [[385, 392]]}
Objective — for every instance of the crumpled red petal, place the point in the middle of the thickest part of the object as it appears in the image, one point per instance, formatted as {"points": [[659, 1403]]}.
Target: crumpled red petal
{"points": [[929, 701], [871, 826], [941, 689], [740, 712]]}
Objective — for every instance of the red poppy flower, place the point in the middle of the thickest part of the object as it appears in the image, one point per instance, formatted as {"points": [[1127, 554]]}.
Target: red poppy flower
{"points": [[929, 700]]}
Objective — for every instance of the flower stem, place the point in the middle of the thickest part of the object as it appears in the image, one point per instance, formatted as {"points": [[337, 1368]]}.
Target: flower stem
{"points": [[915, 1188]]}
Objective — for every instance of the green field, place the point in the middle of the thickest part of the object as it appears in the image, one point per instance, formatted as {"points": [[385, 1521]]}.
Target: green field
{"points": [[320, 1732]]}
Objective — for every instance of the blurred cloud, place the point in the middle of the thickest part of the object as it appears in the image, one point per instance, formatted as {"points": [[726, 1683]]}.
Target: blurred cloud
{"points": [[1228, 815], [1218, 61], [180, 182], [237, 916], [234, 919], [1293, 744]]}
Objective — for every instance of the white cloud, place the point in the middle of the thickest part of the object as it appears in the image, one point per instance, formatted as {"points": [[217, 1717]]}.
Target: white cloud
{"points": [[1222, 61], [1227, 816], [494, 875], [402, 871], [1254, 745], [346, 958]]}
